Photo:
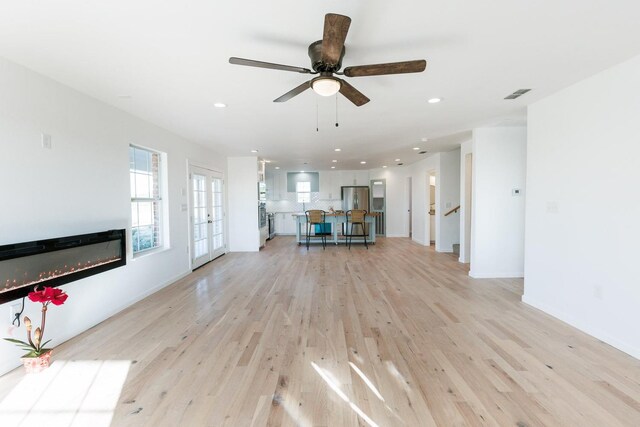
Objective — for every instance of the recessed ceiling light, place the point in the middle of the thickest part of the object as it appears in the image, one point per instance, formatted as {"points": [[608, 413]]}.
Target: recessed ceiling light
{"points": [[334, 161], [363, 162], [434, 100], [384, 166], [254, 151], [333, 167], [396, 160], [267, 161], [277, 167], [220, 105], [424, 139], [416, 148], [337, 149]]}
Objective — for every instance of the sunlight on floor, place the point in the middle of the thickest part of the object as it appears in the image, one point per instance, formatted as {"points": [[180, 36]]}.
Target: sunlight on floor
{"points": [[333, 384], [69, 393]]}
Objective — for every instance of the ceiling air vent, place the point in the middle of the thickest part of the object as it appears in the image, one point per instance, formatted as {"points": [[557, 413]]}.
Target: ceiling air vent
{"points": [[422, 152], [517, 93]]}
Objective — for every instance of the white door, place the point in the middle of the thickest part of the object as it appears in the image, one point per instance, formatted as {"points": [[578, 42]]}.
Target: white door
{"points": [[207, 216]]}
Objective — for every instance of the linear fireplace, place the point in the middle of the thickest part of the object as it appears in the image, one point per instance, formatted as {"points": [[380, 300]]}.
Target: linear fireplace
{"points": [[54, 262]]}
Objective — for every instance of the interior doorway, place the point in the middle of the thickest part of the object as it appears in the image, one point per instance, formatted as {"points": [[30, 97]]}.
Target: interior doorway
{"points": [[468, 204], [409, 202], [431, 198], [207, 215]]}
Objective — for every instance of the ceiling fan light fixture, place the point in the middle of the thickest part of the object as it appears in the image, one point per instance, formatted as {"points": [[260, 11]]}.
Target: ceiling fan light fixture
{"points": [[325, 86]]}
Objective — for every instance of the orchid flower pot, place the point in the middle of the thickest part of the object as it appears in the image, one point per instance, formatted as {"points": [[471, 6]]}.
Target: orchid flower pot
{"points": [[33, 365]]}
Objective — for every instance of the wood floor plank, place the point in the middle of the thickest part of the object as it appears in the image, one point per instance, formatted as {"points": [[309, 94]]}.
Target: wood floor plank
{"points": [[393, 335]]}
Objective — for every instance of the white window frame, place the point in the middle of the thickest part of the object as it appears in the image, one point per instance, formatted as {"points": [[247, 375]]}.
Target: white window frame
{"points": [[159, 213], [303, 195]]}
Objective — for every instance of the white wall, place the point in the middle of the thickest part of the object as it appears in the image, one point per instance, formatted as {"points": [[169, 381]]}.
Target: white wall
{"points": [[448, 182], [497, 243], [80, 186], [420, 198], [242, 199], [583, 208], [465, 202]]}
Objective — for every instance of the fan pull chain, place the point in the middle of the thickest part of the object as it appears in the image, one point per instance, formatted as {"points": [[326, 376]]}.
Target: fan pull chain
{"points": [[317, 120], [336, 109]]}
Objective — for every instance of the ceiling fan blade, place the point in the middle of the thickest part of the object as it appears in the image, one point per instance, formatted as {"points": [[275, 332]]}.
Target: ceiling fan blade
{"points": [[260, 64], [390, 68], [352, 94], [294, 92], [335, 33]]}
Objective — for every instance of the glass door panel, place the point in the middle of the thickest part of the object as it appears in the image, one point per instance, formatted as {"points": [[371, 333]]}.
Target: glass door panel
{"points": [[199, 233], [217, 217], [207, 216]]}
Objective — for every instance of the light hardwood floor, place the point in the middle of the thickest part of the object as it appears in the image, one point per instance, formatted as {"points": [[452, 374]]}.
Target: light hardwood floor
{"points": [[398, 335]]}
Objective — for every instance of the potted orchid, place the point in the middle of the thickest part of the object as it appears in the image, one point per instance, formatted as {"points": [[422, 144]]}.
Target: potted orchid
{"points": [[37, 357]]}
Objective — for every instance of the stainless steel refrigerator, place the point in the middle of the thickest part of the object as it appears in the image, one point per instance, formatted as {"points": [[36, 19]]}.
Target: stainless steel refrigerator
{"points": [[355, 197]]}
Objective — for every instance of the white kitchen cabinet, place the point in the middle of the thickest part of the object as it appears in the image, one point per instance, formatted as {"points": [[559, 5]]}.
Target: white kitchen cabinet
{"points": [[279, 223], [277, 185], [285, 223], [354, 178], [290, 223], [330, 182], [270, 187]]}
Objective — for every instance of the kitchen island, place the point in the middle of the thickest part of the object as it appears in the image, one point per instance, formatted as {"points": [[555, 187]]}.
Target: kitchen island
{"points": [[336, 222]]}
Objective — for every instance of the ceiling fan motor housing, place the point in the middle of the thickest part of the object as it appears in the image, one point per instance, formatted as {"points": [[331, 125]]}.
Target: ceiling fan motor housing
{"points": [[315, 53]]}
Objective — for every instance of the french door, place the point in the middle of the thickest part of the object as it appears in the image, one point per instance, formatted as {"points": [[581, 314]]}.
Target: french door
{"points": [[207, 215]]}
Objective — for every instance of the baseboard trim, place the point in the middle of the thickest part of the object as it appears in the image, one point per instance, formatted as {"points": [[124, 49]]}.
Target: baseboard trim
{"points": [[496, 275], [397, 235], [419, 241], [587, 329]]}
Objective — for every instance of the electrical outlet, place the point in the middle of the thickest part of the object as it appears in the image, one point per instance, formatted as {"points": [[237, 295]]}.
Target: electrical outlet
{"points": [[13, 310]]}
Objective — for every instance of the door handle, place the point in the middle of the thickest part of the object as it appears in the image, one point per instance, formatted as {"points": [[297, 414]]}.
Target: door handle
{"points": [[210, 222]]}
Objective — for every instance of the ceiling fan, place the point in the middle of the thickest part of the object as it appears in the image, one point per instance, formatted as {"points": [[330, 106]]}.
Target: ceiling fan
{"points": [[326, 60]]}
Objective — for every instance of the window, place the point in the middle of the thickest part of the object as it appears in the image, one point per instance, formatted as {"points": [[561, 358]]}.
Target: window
{"points": [[303, 191], [146, 200]]}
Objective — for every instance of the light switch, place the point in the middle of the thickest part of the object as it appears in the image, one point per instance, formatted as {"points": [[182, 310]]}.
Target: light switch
{"points": [[46, 141]]}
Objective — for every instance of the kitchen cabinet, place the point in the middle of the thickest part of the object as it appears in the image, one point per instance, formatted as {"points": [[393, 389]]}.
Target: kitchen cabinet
{"points": [[285, 223], [277, 185], [349, 178], [330, 185], [290, 224]]}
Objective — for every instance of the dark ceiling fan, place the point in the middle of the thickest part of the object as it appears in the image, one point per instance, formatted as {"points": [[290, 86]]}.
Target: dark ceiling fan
{"points": [[326, 60]]}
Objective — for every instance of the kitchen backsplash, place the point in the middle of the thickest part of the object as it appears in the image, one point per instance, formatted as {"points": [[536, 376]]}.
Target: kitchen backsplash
{"points": [[291, 205]]}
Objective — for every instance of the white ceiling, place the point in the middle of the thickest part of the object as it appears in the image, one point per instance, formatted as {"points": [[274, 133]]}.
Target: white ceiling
{"points": [[169, 58]]}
